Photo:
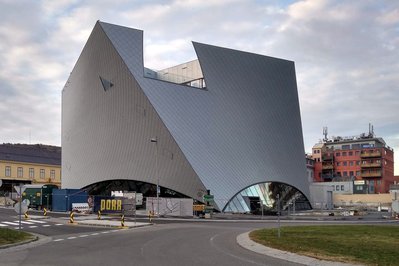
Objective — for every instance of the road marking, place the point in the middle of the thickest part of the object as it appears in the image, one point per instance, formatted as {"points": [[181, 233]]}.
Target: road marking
{"points": [[46, 225], [11, 223], [71, 237], [23, 222], [94, 234], [114, 230], [33, 226], [84, 236], [3, 224], [59, 224], [36, 221], [60, 239], [217, 248], [105, 232], [17, 228]]}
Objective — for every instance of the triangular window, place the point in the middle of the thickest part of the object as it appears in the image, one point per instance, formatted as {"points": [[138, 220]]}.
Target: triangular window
{"points": [[106, 84]]}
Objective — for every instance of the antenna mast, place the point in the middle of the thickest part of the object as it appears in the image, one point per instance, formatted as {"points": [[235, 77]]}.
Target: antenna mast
{"points": [[325, 133]]}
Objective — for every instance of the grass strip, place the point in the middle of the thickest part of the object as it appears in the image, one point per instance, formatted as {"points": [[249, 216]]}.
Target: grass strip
{"points": [[366, 244], [9, 236]]}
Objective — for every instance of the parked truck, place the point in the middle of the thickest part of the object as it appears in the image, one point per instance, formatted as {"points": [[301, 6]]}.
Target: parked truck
{"points": [[39, 196]]}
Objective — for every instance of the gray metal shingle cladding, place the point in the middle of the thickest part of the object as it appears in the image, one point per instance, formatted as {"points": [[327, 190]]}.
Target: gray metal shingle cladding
{"points": [[41, 154], [244, 129]]}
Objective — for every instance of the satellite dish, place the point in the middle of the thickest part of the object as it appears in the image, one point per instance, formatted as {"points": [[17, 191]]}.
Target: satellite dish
{"points": [[395, 206]]}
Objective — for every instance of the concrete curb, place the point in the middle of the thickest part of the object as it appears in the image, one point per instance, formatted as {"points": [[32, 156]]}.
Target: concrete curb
{"points": [[244, 241], [112, 223], [35, 241]]}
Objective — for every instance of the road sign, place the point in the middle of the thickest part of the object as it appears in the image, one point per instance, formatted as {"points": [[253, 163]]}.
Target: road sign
{"points": [[19, 189], [23, 209]]}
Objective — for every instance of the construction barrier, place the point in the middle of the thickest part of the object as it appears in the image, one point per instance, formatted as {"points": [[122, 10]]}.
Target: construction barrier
{"points": [[26, 215], [123, 220], [80, 207], [99, 215], [44, 212]]}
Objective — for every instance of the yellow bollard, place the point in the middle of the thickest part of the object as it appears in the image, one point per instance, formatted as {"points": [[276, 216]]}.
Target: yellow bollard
{"points": [[26, 215], [44, 212], [71, 218], [123, 220], [99, 215], [150, 216]]}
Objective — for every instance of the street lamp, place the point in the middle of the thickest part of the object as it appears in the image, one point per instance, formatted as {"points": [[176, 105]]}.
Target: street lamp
{"points": [[155, 140]]}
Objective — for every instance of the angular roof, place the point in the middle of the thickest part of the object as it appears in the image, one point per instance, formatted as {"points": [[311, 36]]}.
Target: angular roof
{"points": [[38, 153]]}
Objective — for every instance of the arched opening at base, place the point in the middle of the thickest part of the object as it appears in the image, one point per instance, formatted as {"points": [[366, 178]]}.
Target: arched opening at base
{"points": [[269, 197], [104, 188]]}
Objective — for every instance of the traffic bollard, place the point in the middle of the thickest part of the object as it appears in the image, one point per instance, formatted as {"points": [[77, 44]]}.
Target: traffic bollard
{"points": [[99, 215], [123, 220], [26, 215], [71, 218]]}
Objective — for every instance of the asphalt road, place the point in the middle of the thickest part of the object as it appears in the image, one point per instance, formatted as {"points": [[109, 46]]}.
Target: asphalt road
{"points": [[163, 244], [167, 243]]}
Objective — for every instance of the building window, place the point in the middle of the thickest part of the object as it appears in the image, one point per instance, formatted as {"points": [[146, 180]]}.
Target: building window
{"points": [[357, 162], [20, 172], [8, 171], [344, 163], [357, 153], [31, 173], [345, 173], [357, 173], [350, 173], [351, 163], [52, 174], [350, 153], [337, 187], [338, 163], [42, 173], [338, 154], [342, 187], [344, 153]]}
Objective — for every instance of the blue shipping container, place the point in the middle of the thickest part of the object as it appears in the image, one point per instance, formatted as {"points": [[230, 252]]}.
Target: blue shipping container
{"points": [[63, 198]]}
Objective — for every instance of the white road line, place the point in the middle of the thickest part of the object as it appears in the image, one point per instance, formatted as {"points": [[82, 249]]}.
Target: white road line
{"points": [[59, 224], [114, 230], [105, 232], [11, 223], [33, 226], [60, 239], [3, 224], [71, 237], [36, 221], [23, 222], [46, 225], [94, 234], [84, 236], [17, 228]]}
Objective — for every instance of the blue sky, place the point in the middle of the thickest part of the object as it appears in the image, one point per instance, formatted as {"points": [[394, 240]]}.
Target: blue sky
{"points": [[345, 52]]}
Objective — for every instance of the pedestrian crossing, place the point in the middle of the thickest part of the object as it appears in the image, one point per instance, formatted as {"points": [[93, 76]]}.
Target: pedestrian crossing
{"points": [[30, 223]]}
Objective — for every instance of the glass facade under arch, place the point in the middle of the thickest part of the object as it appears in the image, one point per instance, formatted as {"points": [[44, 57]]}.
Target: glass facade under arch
{"points": [[251, 199]]}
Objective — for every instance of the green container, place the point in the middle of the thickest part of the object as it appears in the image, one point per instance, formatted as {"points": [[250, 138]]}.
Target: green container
{"points": [[39, 196]]}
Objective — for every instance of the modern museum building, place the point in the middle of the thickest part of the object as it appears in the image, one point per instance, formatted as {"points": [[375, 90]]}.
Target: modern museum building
{"points": [[227, 123]]}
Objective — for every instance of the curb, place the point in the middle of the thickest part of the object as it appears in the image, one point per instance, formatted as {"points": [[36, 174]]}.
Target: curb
{"points": [[244, 241], [35, 241]]}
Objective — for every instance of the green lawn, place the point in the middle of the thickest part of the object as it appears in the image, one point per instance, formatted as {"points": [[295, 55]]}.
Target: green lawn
{"points": [[367, 244], [8, 236]]}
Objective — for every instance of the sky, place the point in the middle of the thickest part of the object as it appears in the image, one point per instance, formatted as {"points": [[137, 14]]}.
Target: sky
{"points": [[346, 55]]}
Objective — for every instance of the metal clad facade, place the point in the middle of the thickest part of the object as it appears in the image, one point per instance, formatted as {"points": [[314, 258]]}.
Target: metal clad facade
{"points": [[106, 134], [243, 130]]}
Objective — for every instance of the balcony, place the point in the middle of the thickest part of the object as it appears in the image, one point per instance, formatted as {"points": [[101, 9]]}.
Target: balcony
{"points": [[328, 166], [370, 165], [371, 174], [368, 154], [327, 157]]}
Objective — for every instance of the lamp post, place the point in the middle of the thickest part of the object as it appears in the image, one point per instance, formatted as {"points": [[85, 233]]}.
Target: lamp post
{"points": [[155, 140]]}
